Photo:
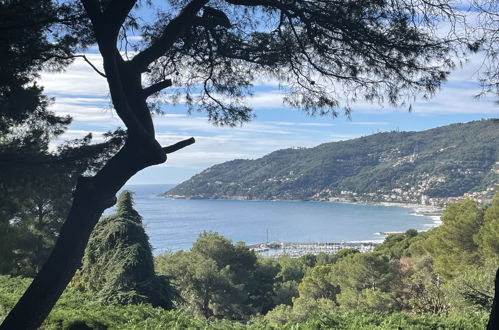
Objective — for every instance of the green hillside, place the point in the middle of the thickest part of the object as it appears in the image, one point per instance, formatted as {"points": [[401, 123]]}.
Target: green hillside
{"points": [[434, 165]]}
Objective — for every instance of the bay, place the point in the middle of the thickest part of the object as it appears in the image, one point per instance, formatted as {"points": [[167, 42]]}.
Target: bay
{"points": [[174, 224]]}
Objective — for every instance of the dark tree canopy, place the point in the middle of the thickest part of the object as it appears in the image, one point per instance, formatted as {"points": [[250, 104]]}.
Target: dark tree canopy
{"points": [[36, 183], [324, 54], [28, 44], [487, 33]]}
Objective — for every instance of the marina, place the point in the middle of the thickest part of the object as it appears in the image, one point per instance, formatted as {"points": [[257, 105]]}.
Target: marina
{"points": [[298, 249]]}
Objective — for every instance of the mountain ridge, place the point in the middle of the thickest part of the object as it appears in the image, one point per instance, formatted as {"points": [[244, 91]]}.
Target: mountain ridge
{"points": [[432, 166]]}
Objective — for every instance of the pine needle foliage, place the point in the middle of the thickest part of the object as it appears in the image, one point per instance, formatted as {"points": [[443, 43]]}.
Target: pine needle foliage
{"points": [[118, 263]]}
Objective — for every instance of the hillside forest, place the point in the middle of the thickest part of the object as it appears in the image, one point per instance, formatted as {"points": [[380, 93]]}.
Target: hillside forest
{"points": [[434, 167]]}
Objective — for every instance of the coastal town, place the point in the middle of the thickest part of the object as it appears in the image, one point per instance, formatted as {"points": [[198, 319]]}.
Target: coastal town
{"points": [[413, 195]]}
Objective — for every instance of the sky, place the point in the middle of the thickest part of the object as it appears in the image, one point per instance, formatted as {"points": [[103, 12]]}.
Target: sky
{"points": [[81, 93]]}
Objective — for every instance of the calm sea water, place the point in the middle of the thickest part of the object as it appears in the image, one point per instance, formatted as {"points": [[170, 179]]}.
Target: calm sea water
{"points": [[175, 224]]}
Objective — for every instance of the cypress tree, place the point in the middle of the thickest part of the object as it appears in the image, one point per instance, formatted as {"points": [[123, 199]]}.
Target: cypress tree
{"points": [[118, 263]]}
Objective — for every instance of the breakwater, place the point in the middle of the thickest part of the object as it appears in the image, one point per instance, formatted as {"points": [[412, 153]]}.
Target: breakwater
{"points": [[298, 249]]}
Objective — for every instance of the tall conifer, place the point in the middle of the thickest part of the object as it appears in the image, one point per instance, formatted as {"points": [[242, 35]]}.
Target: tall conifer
{"points": [[118, 263]]}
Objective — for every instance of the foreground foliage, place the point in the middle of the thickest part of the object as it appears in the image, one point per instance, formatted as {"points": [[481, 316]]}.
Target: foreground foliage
{"points": [[76, 309]]}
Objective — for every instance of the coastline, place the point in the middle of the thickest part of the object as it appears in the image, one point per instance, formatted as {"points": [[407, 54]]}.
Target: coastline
{"points": [[422, 209]]}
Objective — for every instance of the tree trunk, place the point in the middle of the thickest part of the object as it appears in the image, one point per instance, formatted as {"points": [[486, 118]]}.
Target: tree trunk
{"points": [[91, 197], [206, 305], [494, 313]]}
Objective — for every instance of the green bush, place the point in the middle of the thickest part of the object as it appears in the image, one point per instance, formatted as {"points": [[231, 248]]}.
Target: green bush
{"points": [[78, 310], [373, 321]]}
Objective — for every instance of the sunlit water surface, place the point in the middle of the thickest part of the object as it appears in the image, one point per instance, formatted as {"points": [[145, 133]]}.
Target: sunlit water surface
{"points": [[174, 224]]}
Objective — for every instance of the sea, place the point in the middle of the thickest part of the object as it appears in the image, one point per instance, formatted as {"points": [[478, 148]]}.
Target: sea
{"points": [[175, 224]]}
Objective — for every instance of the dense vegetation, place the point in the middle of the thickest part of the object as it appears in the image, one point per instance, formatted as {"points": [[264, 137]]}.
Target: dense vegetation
{"points": [[76, 309], [393, 166], [441, 279]]}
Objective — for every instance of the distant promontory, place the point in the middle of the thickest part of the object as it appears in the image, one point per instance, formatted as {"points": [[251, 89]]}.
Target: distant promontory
{"points": [[429, 167]]}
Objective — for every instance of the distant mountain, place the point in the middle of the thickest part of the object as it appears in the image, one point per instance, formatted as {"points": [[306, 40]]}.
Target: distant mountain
{"points": [[431, 165]]}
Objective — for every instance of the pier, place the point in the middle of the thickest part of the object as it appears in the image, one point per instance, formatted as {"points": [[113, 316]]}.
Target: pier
{"points": [[298, 249]]}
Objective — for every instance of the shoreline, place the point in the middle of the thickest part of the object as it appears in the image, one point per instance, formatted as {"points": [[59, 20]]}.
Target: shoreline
{"points": [[420, 209], [235, 198]]}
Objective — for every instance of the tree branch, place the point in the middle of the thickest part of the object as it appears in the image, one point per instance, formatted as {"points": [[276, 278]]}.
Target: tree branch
{"points": [[179, 145], [170, 34], [123, 80], [91, 64], [156, 87], [104, 24], [494, 313], [255, 3]]}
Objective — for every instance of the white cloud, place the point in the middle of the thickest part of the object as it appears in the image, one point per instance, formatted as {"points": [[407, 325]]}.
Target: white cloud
{"points": [[73, 134], [266, 100], [368, 123], [97, 115], [82, 100], [456, 96], [290, 123], [81, 85], [83, 94], [79, 79]]}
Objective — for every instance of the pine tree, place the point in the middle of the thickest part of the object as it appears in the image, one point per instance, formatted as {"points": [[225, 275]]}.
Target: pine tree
{"points": [[452, 245], [489, 232]]}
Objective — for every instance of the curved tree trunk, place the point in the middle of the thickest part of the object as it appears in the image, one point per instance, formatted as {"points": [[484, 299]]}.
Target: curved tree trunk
{"points": [[50, 282], [94, 194], [91, 197]]}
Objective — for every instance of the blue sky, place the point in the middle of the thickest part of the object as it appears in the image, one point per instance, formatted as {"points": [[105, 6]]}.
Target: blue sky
{"points": [[83, 94]]}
